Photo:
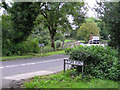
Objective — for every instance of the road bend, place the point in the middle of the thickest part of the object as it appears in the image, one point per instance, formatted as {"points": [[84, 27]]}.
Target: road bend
{"points": [[27, 68]]}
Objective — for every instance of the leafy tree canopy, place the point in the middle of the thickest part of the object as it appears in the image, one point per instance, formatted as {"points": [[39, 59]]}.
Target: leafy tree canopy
{"points": [[51, 15], [101, 26], [110, 13], [89, 20], [7, 30], [23, 14], [88, 29]]}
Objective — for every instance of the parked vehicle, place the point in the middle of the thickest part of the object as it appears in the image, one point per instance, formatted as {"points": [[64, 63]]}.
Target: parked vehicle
{"points": [[94, 40]]}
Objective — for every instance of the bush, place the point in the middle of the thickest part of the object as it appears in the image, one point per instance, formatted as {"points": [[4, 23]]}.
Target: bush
{"points": [[20, 48], [59, 36], [101, 62], [58, 43], [44, 39]]}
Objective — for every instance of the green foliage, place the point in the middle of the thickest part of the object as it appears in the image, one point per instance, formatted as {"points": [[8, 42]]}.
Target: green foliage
{"points": [[67, 80], [73, 34], [30, 55], [53, 53], [50, 15], [41, 36], [20, 48], [22, 15], [17, 25], [89, 20], [88, 29], [101, 62], [68, 40], [110, 14], [59, 36], [103, 28], [7, 35], [7, 30], [58, 43]]}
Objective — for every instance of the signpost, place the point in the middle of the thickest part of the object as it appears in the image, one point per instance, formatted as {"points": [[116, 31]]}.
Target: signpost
{"points": [[74, 63], [41, 47]]}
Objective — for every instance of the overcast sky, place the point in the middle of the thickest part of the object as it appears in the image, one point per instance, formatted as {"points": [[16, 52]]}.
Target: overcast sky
{"points": [[91, 12]]}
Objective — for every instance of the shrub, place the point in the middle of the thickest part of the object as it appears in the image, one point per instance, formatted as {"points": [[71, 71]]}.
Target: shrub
{"points": [[59, 36], [20, 48], [6, 46], [58, 43], [35, 46], [101, 62]]}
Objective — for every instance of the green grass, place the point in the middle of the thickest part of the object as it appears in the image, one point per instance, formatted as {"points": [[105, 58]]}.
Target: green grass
{"points": [[82, 41], [68, 40], [61, 80], [53, 53], [8, 58], [30, 55]]}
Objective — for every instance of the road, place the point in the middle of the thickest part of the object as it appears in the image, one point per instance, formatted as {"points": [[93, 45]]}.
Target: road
{"points": [[27, 68]]}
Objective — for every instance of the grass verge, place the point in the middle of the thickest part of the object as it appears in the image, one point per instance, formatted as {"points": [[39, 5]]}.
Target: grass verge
{"points": [[68, 40], [61, 80], [53, 53], [30, 55], [82, 41]]}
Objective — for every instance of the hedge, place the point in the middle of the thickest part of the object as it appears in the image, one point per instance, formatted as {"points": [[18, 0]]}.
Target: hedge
{"points": [[101, 62]]}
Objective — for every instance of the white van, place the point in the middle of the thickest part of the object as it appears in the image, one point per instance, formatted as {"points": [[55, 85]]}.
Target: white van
{"points": [[94, 40]]}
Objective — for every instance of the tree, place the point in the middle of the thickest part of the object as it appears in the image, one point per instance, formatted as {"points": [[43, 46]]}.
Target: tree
{"points": [[55, 15], [7, 30], [110, 13], [59, 36], [73, 34], [7, 34], [88, 29], [22, 15], [41, 36], [101, 26], [51, 15]]}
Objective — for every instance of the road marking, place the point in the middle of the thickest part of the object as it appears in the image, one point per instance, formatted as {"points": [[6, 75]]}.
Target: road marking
{"points": [[27, 75], [33, 63]]}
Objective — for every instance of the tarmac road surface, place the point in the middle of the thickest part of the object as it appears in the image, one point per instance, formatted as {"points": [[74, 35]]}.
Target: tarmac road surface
{"points": [[27, 68]]}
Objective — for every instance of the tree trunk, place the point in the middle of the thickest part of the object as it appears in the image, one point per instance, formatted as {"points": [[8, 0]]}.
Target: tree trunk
{"points": [[52, 42], [52, 36]]}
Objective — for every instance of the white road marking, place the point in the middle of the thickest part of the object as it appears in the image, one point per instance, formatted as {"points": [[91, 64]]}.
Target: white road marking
{"points": [[27, 75], [10, 66]]}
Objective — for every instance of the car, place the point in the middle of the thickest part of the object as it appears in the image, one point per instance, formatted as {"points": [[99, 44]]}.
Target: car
{"points": [[94, 40]]}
